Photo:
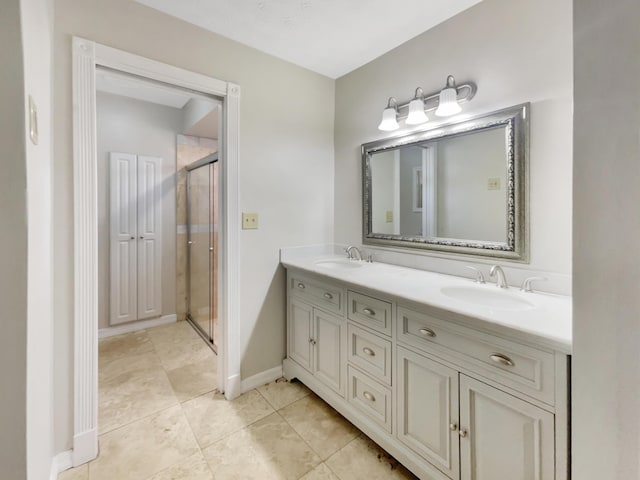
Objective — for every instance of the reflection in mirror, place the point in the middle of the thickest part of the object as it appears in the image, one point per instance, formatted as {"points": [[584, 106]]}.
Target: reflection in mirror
{"points": [[459, 188]]}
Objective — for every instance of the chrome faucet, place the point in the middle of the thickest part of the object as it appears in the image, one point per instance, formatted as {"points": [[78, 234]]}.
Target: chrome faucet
{"points": [[501, 280], [353, 253]]}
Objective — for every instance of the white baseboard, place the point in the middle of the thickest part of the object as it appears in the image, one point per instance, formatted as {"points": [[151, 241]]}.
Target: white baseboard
{"points": [[135, 326], [85, 447], [261, 378], [60, 463]]}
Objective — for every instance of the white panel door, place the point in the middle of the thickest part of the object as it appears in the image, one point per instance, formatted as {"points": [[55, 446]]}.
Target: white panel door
{"points": [[123, 238], [428, 410], [503, 436], [149, 237], [299, 335], [329, 364]]}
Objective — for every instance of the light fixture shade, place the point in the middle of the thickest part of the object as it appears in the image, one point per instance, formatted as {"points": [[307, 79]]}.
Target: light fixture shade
{"points": [[448, 102], [389, 121], [416, 112]]}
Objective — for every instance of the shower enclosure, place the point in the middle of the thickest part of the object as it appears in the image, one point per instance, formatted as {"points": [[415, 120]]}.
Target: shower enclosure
{"points": [[202, 247]]}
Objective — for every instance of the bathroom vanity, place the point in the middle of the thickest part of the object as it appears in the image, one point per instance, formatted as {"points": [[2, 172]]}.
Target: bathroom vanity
{"points": [[455, 379]]}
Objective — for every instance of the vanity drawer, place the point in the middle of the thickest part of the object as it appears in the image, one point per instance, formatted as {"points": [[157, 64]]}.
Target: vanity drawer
{"points": [[370, 397], [369, 311], [526, 369], [369, 352], [323, 295]]}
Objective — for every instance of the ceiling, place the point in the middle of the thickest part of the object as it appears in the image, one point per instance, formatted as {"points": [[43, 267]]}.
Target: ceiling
{"points": [[330, 37]]}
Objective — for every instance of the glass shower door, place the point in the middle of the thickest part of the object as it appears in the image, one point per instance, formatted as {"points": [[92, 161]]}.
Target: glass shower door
{"points": [[200, 222]]}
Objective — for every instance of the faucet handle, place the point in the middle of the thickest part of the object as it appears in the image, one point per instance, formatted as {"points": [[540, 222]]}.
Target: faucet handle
{"points": [[479, 275], [526, 285]]}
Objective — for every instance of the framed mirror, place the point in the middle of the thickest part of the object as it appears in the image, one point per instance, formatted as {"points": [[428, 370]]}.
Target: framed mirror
{"points": [[457, 188]]}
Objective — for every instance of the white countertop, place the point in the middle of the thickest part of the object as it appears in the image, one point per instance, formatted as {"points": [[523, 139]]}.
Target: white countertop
{"points": [[547, 322]]}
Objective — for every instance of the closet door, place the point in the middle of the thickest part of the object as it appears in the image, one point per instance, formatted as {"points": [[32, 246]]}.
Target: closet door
{"points": [[123, 238], [149, 237]]}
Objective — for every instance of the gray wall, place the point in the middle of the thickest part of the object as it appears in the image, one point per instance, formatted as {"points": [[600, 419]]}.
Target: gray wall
{"points": [[516, 51], [410, 221], [286, 166], [13, 247], [606, 252], [132, 126], [383, 188]]}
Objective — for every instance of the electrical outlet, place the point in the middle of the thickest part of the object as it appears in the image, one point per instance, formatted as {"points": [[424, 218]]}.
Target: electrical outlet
{"points": [[389, 216], [493, 184], [249, 221]]}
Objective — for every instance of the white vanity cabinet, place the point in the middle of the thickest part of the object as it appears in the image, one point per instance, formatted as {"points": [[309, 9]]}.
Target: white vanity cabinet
{"points": [[446, 395]]}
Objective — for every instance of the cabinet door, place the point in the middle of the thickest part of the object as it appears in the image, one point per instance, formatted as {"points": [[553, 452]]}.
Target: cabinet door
{"points": [[123, 238], [299, 337], [329, 350], [427, 409], [149, 237], [505, 437]]}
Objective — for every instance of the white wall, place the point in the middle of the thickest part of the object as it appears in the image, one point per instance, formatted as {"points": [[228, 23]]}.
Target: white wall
{"points": [[516, 51], [37, 33], [142, 128], [286, 166], [606, 261], [383, 187], [13, 247]]}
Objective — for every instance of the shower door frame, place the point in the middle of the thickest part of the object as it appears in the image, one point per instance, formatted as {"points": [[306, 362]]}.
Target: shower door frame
{"points": [[207, 161]]}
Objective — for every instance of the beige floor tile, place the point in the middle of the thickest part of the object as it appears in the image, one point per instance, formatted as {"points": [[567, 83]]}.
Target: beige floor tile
{"points": [[144, 448], [321, 472], [114, 366], [79, 473], [282, 393], [126, 344], [267, 450], [183, 352], [132, 395], [193, 468], [212, 417], [324, 429], [171, 333], [362, 459], [194, 379]]}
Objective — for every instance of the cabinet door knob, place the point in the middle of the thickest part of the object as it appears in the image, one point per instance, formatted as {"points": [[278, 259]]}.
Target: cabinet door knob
{"points": [[369, 352], [369, 396], [463, 433], [313, 342], [368, 311], [133, 238], [328, 296], [502, 359], [301, 285], [427, 332], [453, 427], [141, 237]]}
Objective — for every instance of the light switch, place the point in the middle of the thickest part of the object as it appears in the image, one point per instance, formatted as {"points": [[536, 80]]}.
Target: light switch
{"points": [[389, 216], [249, 221], [493, 184]]}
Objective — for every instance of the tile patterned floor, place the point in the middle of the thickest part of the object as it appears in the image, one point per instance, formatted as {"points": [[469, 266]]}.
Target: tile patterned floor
{"points": [[161, 418]]}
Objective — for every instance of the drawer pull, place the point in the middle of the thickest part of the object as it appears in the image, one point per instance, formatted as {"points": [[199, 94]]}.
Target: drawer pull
{"points": [[427, 332], [369, 396], [328, 296], [301, 285], [368, 311], [369, 352], [502, 359], [453, 427]]}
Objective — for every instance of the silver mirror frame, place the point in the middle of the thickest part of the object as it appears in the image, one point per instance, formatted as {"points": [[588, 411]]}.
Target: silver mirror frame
{"points": [[516, 248]]}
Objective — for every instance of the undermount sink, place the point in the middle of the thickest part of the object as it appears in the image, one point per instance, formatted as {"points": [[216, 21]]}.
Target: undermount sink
{"points": [[497, 298], [339, 263]]}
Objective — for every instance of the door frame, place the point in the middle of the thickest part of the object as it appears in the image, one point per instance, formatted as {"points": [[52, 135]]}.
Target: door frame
{"points": [[86, 56]]}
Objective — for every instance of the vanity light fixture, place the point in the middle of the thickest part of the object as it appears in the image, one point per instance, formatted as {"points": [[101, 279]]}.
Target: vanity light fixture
{"points": [[445, 103], [389, 117], [448, 101], [416, 109]]}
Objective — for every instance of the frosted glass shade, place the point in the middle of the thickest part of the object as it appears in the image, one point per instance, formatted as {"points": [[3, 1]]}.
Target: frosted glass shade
{"points": [[448, 104], [416, 112], [389, 121]]}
